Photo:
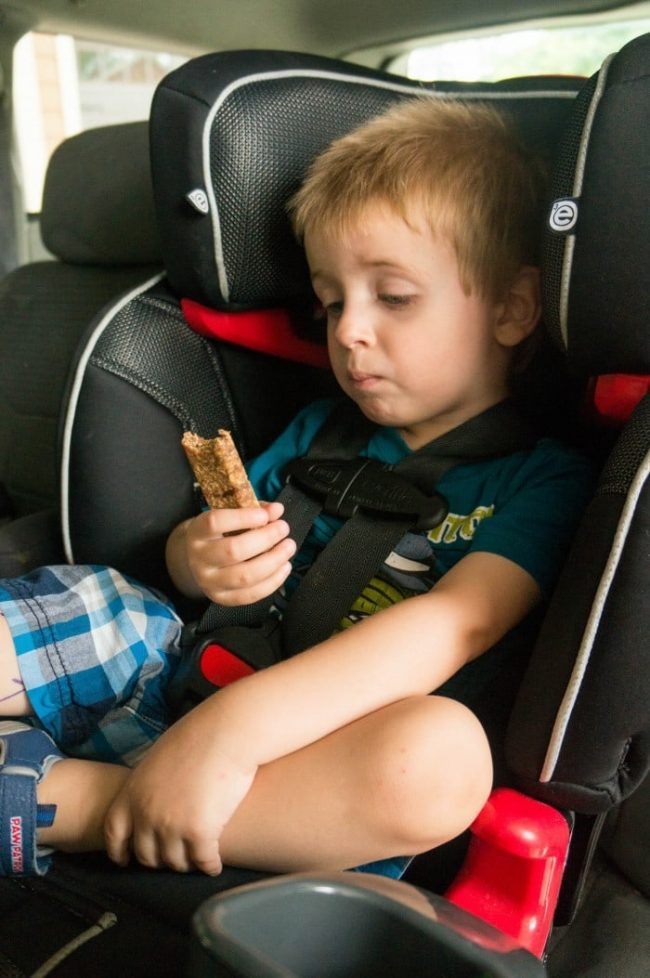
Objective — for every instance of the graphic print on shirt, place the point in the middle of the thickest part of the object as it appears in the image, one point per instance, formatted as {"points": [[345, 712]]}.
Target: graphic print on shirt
{"points": [[413, 566]]}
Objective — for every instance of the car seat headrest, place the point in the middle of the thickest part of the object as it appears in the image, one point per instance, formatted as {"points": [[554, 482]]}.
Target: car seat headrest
{"points": [[232, 135], [596, 251], [98, 201]]}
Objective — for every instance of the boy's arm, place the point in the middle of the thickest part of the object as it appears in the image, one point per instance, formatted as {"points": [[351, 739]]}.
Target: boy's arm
{"points": [[408, 649], [192, 780]]}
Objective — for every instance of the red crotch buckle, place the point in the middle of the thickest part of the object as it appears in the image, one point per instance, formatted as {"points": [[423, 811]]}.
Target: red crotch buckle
{"points": [[220, 666]]}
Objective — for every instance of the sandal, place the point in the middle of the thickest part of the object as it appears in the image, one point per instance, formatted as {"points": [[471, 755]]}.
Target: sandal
{"points": [[26, 755]]}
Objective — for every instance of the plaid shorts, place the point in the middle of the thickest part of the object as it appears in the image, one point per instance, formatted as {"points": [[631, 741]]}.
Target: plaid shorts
{"points": [[96, 651]]}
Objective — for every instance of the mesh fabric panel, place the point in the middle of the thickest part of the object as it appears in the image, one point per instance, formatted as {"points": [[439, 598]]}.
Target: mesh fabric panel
{"points": [[142, 346], [256, 163], [631, 449]]}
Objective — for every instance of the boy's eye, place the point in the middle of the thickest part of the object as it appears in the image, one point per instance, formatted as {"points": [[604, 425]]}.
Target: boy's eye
{"points": [[334, 309], [395, 300]]}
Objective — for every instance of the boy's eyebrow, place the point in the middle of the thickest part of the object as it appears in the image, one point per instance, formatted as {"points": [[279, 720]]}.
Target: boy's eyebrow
{"points": [[376, 263], [387, 263]]}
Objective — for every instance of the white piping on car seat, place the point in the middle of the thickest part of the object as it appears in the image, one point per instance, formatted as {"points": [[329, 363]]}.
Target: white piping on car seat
{"points": [[330, 76], [73, 400], [107, 920], [582, 659], [578, 180]]}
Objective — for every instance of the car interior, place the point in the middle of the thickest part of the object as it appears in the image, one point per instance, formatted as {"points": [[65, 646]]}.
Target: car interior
{"points": [[172, 297]]}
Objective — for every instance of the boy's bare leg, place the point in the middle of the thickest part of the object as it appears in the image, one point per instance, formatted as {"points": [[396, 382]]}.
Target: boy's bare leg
{"points": [[396, 782], [82, 792], [13, 700]]}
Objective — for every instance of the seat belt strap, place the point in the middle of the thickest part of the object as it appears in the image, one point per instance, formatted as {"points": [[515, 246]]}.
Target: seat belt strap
{"points": [[316, 608], [363, 543], [301, 509], [359, 548]]}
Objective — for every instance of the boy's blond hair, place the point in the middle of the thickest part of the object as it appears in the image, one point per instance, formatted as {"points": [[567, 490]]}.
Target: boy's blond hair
{"points": [[458, 164]]}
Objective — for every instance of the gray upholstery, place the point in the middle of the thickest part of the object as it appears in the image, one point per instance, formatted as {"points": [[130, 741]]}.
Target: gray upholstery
{"points": [[98, 201], [98, 220]]}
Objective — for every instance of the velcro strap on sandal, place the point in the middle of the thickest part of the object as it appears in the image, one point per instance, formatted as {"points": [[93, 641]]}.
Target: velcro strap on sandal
{"points": [[27, 755], [19, 853]]}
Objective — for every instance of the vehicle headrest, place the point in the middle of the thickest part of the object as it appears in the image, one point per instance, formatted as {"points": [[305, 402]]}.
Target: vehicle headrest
{"points": [[98, 201], [597, 248], [232, 135]]}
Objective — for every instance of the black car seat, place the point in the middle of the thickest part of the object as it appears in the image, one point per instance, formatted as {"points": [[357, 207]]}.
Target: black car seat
{"points": [[579, 735], [231, 136], [98, 222]]}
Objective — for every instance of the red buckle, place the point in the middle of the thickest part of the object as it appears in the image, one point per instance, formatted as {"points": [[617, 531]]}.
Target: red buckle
{"points": [[265, 330], [615, 396], [220, 666], [513, 869]]}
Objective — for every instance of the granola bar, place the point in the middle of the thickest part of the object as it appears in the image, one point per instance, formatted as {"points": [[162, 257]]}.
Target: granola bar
{"points": [[219, 470]]}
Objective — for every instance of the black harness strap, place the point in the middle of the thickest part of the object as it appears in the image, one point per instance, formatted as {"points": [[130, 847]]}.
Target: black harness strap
{"points": [[301, 509], [380, 503], [365, 540]]}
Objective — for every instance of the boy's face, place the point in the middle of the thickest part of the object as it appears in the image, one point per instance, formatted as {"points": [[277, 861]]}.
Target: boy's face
{"points": [[406, 343]]}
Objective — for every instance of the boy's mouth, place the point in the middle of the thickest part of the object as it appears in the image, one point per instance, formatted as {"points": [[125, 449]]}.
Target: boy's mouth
{"points": [[361, 377], [361, 380]]}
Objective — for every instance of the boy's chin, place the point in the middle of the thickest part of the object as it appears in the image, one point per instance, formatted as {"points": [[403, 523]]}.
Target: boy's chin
{"points": [[376, 412]]}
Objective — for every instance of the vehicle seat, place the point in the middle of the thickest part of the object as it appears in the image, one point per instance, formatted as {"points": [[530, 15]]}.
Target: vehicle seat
{"points": [[98, 221]]}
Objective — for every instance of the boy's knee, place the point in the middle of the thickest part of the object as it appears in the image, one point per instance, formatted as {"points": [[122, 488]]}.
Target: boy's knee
{"points": [[434, 772]]}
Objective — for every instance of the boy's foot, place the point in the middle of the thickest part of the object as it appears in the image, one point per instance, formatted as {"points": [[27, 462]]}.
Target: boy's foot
{"points": [[26, 755]]}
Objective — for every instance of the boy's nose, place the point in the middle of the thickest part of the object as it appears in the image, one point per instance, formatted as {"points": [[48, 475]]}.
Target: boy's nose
{"points": [[352, 328]]}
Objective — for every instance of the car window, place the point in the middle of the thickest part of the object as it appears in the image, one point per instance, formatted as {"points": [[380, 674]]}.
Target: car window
{"points": [[567, 49], [63, 85]]}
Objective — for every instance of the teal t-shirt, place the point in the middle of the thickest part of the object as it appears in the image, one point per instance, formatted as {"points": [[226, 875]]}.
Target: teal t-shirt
{"points": [[524, 507]]}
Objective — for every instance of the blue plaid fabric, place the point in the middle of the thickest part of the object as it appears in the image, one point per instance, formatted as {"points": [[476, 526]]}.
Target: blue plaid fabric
{"points": [[96, 652]]}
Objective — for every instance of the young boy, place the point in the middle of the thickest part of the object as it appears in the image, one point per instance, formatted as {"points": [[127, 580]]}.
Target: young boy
{"points": [[420, 232]]}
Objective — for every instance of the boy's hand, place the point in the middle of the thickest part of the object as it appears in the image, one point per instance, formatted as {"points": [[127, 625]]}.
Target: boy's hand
{"points": [[174, 806], [239, 556]]}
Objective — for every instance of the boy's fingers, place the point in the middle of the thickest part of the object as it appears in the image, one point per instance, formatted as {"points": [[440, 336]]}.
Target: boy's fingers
{"points": [[146, 849], [205, 857], [248, 594], [256, 542], [219, 522], [118, 829], [174, 855], [258, 567]]}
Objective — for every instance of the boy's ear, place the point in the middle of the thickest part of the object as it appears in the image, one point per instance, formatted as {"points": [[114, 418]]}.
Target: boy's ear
{"points": [[519, 313]]}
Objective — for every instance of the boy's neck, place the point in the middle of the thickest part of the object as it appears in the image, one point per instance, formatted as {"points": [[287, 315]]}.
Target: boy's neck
{"points": [[421, 434]]}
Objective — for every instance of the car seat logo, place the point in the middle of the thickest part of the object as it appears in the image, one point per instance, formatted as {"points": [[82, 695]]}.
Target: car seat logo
{"points": [[564, 215], [199, 200]]}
